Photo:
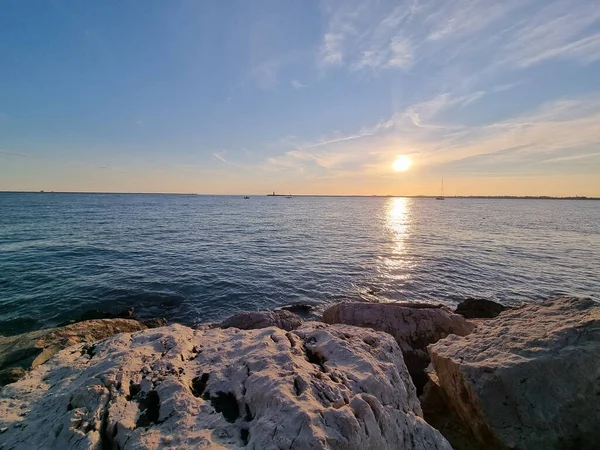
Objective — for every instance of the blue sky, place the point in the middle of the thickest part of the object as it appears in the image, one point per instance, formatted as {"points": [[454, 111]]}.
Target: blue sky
{"points": [[302, 97]]}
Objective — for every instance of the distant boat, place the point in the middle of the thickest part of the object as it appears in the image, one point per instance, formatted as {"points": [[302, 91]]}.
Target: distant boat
{"points": [[246, 197], [441, 197], [288, 196]]}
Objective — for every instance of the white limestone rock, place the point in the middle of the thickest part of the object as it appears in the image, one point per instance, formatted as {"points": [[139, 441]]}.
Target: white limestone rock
{"points": [[317, 387], [528, 379], [23, 352], [414, 326]]}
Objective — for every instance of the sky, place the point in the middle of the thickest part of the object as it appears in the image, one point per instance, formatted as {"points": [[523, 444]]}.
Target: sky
{"points": [[301, 97]]}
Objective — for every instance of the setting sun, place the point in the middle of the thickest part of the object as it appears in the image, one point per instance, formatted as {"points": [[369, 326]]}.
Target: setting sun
{"points": [[402, 164]]}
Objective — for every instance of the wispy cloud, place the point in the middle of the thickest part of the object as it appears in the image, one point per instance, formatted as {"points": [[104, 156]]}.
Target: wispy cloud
{"points": [[558, 30], [297, 84], [380, 34], [556, 128], [220, 156], [421, 114], [504, 87], [61, 161], [265, 74], [20, 155], [331, 49], [572, 157]]}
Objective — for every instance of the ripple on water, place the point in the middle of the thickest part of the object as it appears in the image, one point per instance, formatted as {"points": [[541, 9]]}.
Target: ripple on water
{"points": [[199, 258]]}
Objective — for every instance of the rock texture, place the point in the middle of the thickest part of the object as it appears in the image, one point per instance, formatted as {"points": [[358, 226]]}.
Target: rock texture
{"points": [[478, 308], [26, 351], [528, 379], [317, 387], [255, 320], [414, 326]]}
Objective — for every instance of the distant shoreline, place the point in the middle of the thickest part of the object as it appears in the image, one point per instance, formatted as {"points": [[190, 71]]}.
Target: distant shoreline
{"points": [[487, 197]]}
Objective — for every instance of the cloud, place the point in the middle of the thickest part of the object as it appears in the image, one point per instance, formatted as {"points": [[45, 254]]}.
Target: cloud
{"points": [[331, 49], [396, 53], [220, 157], [430, 109], [297, 85], [516, 144], [265, 74], [382, 34], [572, 157], [504, 87], [555, 127], [20, 155], [60, 161], [557, 30]]}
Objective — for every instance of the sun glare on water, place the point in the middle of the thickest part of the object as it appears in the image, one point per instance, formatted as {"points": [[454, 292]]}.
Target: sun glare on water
{"points": [[402, 164]]}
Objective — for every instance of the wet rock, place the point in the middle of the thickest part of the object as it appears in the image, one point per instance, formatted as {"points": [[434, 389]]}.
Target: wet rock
{"points": [[97, 314], [26, 351], [528, 379], [477, 308], [303, 310], [155, 322], [254, 320], [414, 326], [11, 375], [317, 387]]}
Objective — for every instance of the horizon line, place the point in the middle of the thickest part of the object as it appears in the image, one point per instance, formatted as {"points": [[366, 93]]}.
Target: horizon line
{"points": [[501, 196]]}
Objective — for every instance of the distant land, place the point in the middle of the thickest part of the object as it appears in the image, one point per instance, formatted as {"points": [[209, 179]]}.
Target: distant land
{"points": [[492, 197]]}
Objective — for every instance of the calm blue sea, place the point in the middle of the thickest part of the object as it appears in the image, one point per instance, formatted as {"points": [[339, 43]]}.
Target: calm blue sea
{"points": [[194, 258]]}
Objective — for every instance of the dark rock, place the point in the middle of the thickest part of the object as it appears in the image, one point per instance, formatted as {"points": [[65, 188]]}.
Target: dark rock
{"points": [[304, 310], [97, 314], [438, 414], [155, 322], [11, 375], [477, 308]]}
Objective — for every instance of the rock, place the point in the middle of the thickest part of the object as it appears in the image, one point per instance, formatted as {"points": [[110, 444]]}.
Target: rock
{"points": [[303, 310], [11, 375], [155, 322], [318, 387], [478, 308], [26, 351], [255, 320], [438, 414], [97, 314], [413, 325], [528, 379]]}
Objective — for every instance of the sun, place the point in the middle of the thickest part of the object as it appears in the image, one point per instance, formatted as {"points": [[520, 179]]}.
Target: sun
{"points": [[402, 164]]}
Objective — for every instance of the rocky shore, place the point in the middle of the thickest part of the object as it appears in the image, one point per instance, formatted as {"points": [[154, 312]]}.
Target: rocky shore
{"points": [[368, 376]]}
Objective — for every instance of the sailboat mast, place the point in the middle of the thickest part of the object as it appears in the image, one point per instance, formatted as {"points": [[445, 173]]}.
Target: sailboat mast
{"points": [[442, 192]]}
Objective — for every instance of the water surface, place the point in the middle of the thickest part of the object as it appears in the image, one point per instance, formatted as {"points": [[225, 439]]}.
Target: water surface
{"points": [[194, 258]]}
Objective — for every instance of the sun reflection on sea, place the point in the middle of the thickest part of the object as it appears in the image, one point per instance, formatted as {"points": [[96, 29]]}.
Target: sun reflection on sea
{"points": [[398, 221]]}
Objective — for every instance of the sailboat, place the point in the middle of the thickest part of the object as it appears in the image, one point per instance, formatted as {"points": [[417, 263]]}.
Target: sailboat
{"points": [[441, 197]]}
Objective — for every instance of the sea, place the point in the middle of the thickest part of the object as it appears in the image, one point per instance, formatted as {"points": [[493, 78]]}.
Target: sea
{"points": [[199, 258]]}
